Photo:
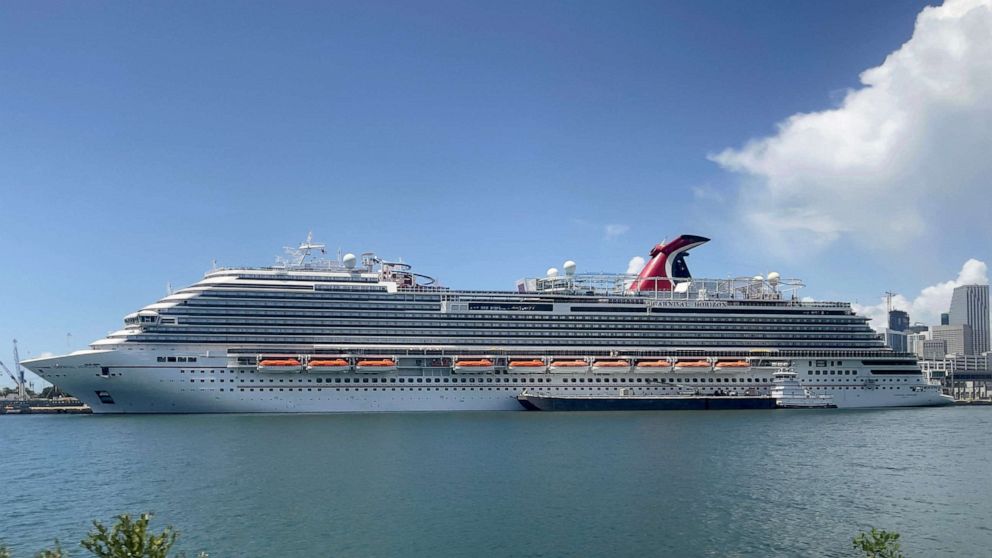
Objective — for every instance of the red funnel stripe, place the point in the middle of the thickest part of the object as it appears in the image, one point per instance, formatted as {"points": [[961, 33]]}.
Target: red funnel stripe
{"points": [[657, 274]]}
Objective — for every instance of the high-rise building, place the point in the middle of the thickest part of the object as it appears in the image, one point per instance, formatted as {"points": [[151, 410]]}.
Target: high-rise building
{"points": [[970, 306], [959, 338], [896, 340], [918, 328], [945, 318], [914, 342], [898, 320]]}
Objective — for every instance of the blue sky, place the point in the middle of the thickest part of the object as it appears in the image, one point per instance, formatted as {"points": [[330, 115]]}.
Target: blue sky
{"points": [[480, 141]]}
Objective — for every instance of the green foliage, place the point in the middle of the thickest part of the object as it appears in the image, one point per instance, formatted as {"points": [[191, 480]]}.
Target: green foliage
{"points": [[878, 544], [51, 552], [129, 539]]}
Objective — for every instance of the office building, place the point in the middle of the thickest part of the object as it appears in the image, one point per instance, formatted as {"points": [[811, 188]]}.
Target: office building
{"points": [[959, 338], [970, 306], [898, 320]]}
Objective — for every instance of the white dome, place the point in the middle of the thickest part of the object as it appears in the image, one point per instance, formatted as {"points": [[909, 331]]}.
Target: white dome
{"points": [[569, 267], [552, 272], [774, 278], [758, 278], [349, 261]]}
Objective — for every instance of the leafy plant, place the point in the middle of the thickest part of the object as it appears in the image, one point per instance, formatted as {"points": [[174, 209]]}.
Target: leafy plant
{"points": [[129, 538], [51, 552], [878, 543]]}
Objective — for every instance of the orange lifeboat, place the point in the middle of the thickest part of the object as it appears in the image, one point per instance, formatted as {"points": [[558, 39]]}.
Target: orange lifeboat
{"points": [[376, 365], [569, 366], [481, 365], [732, 364], [279, 365], [528, 366], [328, 365], [610, 366], [651, 366]]}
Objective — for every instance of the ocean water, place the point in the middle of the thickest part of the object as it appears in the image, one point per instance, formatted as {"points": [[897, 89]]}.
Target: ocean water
{"points": [[735, 483]]}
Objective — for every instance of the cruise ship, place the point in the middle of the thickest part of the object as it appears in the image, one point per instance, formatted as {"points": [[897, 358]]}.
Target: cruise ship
{"points": [[359, 334]]}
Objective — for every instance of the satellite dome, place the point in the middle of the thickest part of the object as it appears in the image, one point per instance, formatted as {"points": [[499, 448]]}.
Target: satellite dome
{"points": [[758, 278], [569, 268], [774, 278], [552, 272], [349, 261]]}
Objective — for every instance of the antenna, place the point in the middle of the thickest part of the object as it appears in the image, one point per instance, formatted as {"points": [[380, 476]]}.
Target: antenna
{"points": [[304, 250], [888, 300]]}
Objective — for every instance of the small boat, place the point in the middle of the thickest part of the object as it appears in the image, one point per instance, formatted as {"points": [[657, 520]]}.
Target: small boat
{"points": [[610, 366], [482, 365], [328, 365], [375, 366], [790, 394], [569, 366], [652, 366], [531, 366], [693, 365], [279, 365], [732, 365]]}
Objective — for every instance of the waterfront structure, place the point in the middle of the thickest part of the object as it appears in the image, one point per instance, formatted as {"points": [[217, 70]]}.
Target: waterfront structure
{"points": [[958, 338], [310, 335], [970, 306]]}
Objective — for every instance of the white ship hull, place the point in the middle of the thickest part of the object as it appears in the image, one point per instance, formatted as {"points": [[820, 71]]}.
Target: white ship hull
{"points": [[133, 381]]}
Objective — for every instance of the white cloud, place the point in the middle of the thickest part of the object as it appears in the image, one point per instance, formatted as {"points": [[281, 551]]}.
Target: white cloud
{"points": [[635, 265], [613, 231], [907, 150], [707, 193], [927, 306]]}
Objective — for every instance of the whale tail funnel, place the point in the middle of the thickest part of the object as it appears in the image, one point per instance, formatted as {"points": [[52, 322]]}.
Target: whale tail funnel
{"points": [[667, 265]]}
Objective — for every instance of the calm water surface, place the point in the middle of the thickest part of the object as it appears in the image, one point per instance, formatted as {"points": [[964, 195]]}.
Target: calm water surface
{"points": [[737, 483]]}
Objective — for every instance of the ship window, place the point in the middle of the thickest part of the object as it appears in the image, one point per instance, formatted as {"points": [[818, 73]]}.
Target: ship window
{"points": [[161, 359], [172, 359]]}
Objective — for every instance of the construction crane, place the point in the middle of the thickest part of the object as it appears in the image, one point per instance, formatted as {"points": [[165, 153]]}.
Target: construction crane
{"points": [[19, 378], [888, 300]]}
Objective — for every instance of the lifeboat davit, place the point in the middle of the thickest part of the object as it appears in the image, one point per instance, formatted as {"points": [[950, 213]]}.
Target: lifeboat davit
{"points": [[375, 365], [482, 365], [651, 366], [610, 366], [569, 366], [279, 365], [732, 365], [693, 365], [328, 365], [532, 366]]}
